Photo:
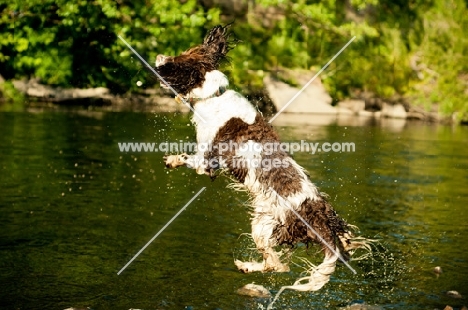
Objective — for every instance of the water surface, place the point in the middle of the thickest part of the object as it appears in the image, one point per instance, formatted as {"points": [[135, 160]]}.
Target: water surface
{"points": [[74, 210]]}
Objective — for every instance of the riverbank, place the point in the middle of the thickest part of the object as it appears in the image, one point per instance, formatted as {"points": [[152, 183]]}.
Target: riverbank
{"points": [[275, 96]]}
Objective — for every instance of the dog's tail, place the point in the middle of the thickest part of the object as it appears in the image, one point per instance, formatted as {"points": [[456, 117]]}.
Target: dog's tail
{"points": [[350, 243]]}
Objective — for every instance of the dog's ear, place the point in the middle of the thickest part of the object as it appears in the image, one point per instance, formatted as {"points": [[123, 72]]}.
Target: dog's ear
{"points": [[218, 43], [183, 76]]}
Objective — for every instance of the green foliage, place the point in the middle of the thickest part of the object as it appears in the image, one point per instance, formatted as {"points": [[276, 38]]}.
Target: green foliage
{"points": [[75, 43], [14, 100], [415, 48], [313, 32], [443, 58], [390, 35]]}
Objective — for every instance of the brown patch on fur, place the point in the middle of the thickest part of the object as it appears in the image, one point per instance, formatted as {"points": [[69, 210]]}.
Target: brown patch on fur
{"points": [[284, 180], [184, 76], [320, 215], [187, 71]]}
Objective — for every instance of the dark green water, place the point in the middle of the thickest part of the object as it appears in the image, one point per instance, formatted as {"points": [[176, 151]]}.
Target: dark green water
{"points": [[74, 210]]}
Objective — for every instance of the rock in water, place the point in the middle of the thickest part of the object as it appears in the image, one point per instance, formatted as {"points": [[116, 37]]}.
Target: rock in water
{"points": [[361, 306], [254, 290], [454, 294], [437, 270]]}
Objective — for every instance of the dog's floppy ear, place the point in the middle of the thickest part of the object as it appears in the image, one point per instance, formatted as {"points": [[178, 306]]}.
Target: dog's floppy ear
{"points": [[183, 76], [218, 43]]}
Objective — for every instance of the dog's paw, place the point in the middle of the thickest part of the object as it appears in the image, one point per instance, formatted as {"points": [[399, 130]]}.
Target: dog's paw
{"points": [[248, 267], [168, 160], [174, 161]]}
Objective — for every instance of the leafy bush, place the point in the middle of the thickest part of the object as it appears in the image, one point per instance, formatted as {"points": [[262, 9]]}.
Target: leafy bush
{"points": [[75, 43], [417, 49], [442, 54]]}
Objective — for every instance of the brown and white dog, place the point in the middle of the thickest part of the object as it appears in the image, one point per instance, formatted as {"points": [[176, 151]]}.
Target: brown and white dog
{"points": [[275, 182]]}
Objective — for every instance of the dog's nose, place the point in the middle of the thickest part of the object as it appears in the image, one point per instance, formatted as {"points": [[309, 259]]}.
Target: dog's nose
{"points": [[160, 60]]}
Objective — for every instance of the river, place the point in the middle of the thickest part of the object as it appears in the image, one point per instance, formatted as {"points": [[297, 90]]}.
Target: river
{"points": [[74, 210]]}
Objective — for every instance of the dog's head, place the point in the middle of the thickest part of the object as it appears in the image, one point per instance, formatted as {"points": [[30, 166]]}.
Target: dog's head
{"points": [[188, 70]]}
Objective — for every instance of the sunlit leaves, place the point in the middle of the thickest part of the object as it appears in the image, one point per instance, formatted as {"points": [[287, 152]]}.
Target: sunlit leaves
{"points": [[74, 43], [362, 4], [442, 58]]}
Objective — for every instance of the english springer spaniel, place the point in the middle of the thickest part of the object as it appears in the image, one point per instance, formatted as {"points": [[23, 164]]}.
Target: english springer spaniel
{"points": [[235, 136]]}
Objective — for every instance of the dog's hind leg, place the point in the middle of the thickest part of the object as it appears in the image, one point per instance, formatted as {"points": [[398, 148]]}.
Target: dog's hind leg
{"points": [[262, 230]]}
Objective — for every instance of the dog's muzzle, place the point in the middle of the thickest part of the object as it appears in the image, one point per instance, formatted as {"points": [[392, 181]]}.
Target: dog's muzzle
{"points": [[160, 60]]}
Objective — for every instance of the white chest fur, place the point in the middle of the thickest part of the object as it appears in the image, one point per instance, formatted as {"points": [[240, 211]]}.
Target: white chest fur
{"points": [[216, 111]]}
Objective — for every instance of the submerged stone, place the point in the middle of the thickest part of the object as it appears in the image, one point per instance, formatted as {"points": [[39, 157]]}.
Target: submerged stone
{"points": [[254, 290], [361, 306], [454, 294], [438, 270]]}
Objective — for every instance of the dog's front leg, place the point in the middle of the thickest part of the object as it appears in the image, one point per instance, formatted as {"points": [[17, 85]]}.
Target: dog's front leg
{"points": [[174, 161], [191, 161]]}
